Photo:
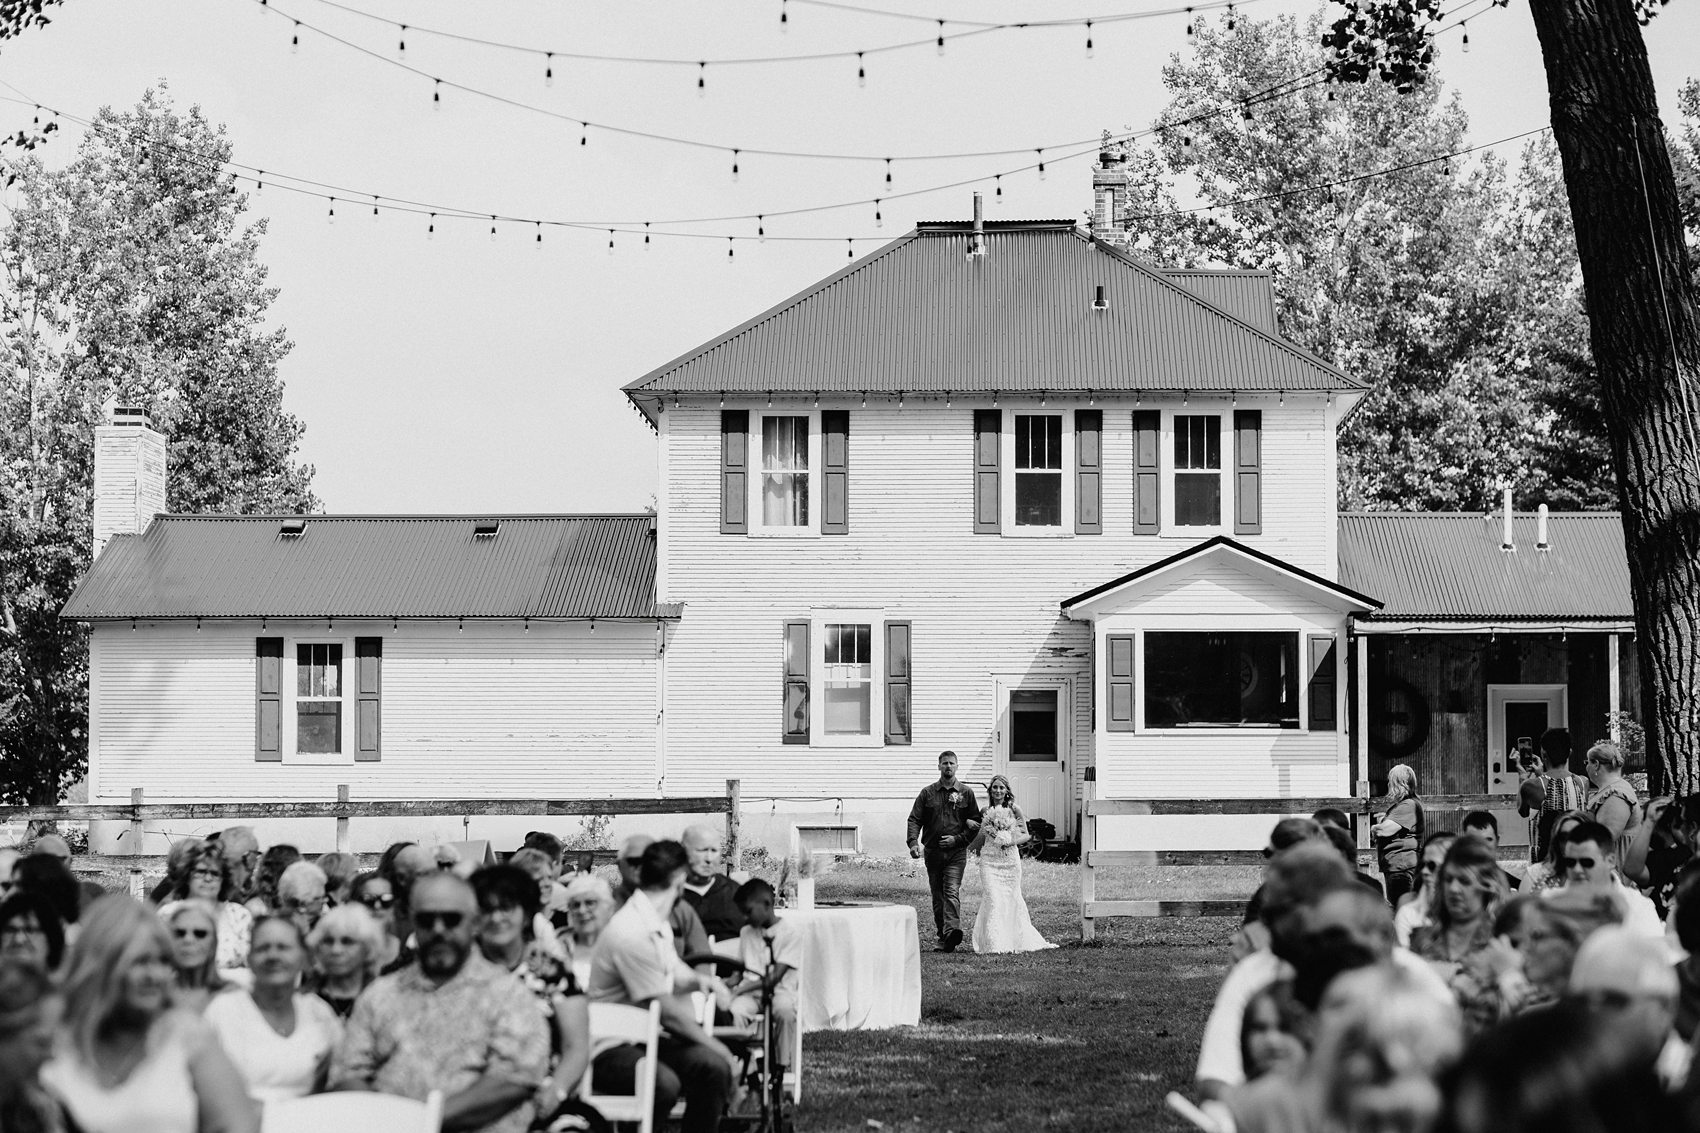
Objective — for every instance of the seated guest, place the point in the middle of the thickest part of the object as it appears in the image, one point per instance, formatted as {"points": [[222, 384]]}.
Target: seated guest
{"points": [[339, 870], [708, 890], [1621, 973], [451, 1021], [127, 1060], [207, 877], [1660, 846], [240, 850], [1484, 827], [49, 878], [276, 859], [1287, 833], [401, 864], [1333, 816], [347, 946], [301, 894], [689, 937], [631, 967], [1416, 907], [508, 904], [278, 1036], [541, 869], [1273, 1033], [177, 861], [1457, 937], [30, 1008], [376, 895], [1535, 944], [30, 931], [772, 953], [555, 901], [1544, 873], [590, 902], [1589, 863], [194, 949]]}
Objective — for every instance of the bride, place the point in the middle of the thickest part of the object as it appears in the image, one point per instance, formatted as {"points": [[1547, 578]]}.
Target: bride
{"points": [[1002, 924]]}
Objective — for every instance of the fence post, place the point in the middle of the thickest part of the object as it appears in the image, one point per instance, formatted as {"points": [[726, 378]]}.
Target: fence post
{"points": [[1088, 843], [342, 838], [734, 823], [138, 888]]}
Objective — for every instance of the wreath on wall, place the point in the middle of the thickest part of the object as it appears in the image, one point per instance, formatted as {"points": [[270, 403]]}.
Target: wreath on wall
{"points": [[1404, 723]]}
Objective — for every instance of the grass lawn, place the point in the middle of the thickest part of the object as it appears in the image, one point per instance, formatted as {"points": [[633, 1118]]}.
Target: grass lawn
{"points": [[1076, 1038]]}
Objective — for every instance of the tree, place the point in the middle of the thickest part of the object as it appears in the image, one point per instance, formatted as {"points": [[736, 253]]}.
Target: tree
{"points": [[126, 275], [1643, 326], [1409, 280]]}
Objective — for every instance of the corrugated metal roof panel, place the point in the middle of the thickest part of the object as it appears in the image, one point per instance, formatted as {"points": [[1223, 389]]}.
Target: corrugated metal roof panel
{"points": [[375, 566], [1247, 295], [1449, 567], [921, 315]]}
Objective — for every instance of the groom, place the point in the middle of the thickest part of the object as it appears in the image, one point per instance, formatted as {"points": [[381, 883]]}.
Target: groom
{"points": [[943, 820]]}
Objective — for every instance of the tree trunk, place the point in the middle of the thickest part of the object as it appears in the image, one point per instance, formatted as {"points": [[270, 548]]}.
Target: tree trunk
{"points": [[1646, 347]]}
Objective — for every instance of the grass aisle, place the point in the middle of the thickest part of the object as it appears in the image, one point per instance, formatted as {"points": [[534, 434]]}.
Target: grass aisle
{"points": [[1076, 1038]]}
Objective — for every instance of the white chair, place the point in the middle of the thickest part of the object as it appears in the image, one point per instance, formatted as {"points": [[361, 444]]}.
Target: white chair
{"points": [[618, 1024], [354, 1110]]}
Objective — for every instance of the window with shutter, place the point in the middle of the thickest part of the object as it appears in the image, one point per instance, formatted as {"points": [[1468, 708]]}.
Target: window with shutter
{"points": [[1147, 475], [368, 689], [897, 683], [734, 471], [268, 699], [1324, 704], [1118, 682], [1088, 471], [1248, 472], [988, 445], [835, 472], [795, 729]]}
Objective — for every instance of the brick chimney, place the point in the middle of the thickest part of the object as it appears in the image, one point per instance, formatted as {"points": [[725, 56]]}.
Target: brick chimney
{"points": [[129, 473], [1109, 192]]}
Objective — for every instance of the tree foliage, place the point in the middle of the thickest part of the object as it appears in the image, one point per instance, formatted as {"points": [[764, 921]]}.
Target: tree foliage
{"points": [[1450, 286], [126, 275]]}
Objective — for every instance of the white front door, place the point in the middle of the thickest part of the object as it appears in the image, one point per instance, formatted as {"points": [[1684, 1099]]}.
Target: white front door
{"points": [[1033, 746], [1517, 715]]}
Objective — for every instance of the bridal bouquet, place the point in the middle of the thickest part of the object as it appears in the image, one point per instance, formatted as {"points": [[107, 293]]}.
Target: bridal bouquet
{"points": [[999, 826]]}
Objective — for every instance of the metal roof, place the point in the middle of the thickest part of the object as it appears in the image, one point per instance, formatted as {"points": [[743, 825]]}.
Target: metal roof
{"points": [[1247, 295], [921, 315], [1449, 567], [215, 566]]}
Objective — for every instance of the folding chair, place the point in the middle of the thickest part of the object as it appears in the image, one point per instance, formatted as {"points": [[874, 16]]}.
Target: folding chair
{"points": [[354, 1109], [618, 1024]]}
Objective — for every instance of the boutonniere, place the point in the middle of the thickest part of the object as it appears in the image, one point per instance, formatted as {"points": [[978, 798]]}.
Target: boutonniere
{"points": [[955, 798]]}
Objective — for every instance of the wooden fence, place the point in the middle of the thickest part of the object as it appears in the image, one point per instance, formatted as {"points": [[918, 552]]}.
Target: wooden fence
{"points": [[1442, 812], [344, 810]]}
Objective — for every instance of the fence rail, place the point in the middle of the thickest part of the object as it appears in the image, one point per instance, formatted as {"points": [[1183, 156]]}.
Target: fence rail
{"points": [[1092, 858]]}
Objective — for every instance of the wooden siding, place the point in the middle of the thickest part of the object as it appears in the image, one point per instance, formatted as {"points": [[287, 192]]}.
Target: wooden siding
{"points": [[983, 607], [488, 712]]}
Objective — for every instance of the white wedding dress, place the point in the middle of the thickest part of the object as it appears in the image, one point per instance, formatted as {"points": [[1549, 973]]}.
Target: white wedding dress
{"points": [[1002, 924]]}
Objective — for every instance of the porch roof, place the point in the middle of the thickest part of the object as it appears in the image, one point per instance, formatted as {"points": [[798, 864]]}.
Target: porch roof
{"points": [[1448, 571], [1091, 601]]}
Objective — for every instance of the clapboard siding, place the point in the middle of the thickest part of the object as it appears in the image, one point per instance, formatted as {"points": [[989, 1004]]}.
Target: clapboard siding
{"points": [[492, 711], [1251, 764], [981, 605]]}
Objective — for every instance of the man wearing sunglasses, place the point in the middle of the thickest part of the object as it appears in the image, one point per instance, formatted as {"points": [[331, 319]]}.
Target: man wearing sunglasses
{"points": [[451, 1021], [1589, 863]]}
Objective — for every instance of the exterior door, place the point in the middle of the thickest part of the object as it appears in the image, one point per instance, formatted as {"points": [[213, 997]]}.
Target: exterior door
{"points": [[1517, 715], [1033, 747]]}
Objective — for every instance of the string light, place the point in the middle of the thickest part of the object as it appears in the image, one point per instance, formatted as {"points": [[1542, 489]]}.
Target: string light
{"points": [[1245, 110], [1088, 39], [330, 217], [888, 172], [431, 228], [610, 241], [401, 43], [437, 94], [645, 236], [997, 195], [941, 37], [295, 39], [374, 206], [584, 133], [784, 16], [1232, 20], [260, 182], [702, 73], [850, 254], [879, 221], [761, 229], [734, 165], [1189, 23], [729, 247], [861, 71], [548, 68], [1041, 154], [539, 233], [1466, 44]]}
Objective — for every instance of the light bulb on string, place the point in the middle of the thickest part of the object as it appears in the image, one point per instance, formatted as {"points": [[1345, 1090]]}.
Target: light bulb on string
{"points": [[1088, 39], [861, 71], [729, 247], [549, 68], [260, 182], [1189, 23], [941, 37], [1186, 141], [735, 164], [645, 235], [330, 217], [584, 133], [784, 15], [850, 249], [888, 172], [702, 79], [1232, 20], [374, 206], [1041, 154], [401, 42], [436, 94], [761, 228], [879, 221], [492, 228], [1245, 110], [997, 195], [610, 241], [1466, 44], [539, 240], [295, 39], [38, 114], [431, 228], [1331, 92]]}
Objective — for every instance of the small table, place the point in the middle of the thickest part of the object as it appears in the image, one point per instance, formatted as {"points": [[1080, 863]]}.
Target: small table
{"points": [[861, 967]]}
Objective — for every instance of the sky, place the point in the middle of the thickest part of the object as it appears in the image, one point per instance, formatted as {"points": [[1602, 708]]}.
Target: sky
{"points": [[461, 374]]}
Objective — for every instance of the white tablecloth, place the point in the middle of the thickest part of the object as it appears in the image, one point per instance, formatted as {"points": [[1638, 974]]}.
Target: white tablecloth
{"points": [[861, 967]]}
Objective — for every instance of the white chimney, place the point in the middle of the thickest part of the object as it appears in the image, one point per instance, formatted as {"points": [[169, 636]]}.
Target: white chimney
{"points": [[129, 474], [977, 237], [1541, 543], [1507, 544]]}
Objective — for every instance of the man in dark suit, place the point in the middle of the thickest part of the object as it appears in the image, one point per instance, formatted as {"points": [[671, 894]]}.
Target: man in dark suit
{"points": [[707, 890], [942, 822]]}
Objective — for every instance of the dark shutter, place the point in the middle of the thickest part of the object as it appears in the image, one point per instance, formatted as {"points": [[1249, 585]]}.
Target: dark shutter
{"points": [[1248, 472], [1147, 479], [268, 698], [734, 471], [796, 695], [988, 440], [897, 683], [368, 688], [1324, 713], [1118, 682], [1088, 472], [835, 438]]}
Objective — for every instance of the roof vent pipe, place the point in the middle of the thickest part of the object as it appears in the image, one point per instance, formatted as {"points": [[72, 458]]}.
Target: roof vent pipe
{"points": [[977, 239], [1099, 303], [1541, 543], [1506, 544]]}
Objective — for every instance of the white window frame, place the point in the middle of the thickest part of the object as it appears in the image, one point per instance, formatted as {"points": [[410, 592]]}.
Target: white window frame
{"points": [[290, 675], [1006, 457], [875, 621], [1166, 465], [1299, 629], [817, 482]]}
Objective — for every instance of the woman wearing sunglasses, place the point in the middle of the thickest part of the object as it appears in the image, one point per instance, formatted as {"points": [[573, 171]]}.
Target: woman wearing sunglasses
{"points": [[376, 894], [1416, 908], [345, 946], [193, 929], [204, 875]]}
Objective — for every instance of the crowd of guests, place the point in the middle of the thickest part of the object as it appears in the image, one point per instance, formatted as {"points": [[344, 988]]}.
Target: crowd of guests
{"points": [[1453, 994], [250, 977]]}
